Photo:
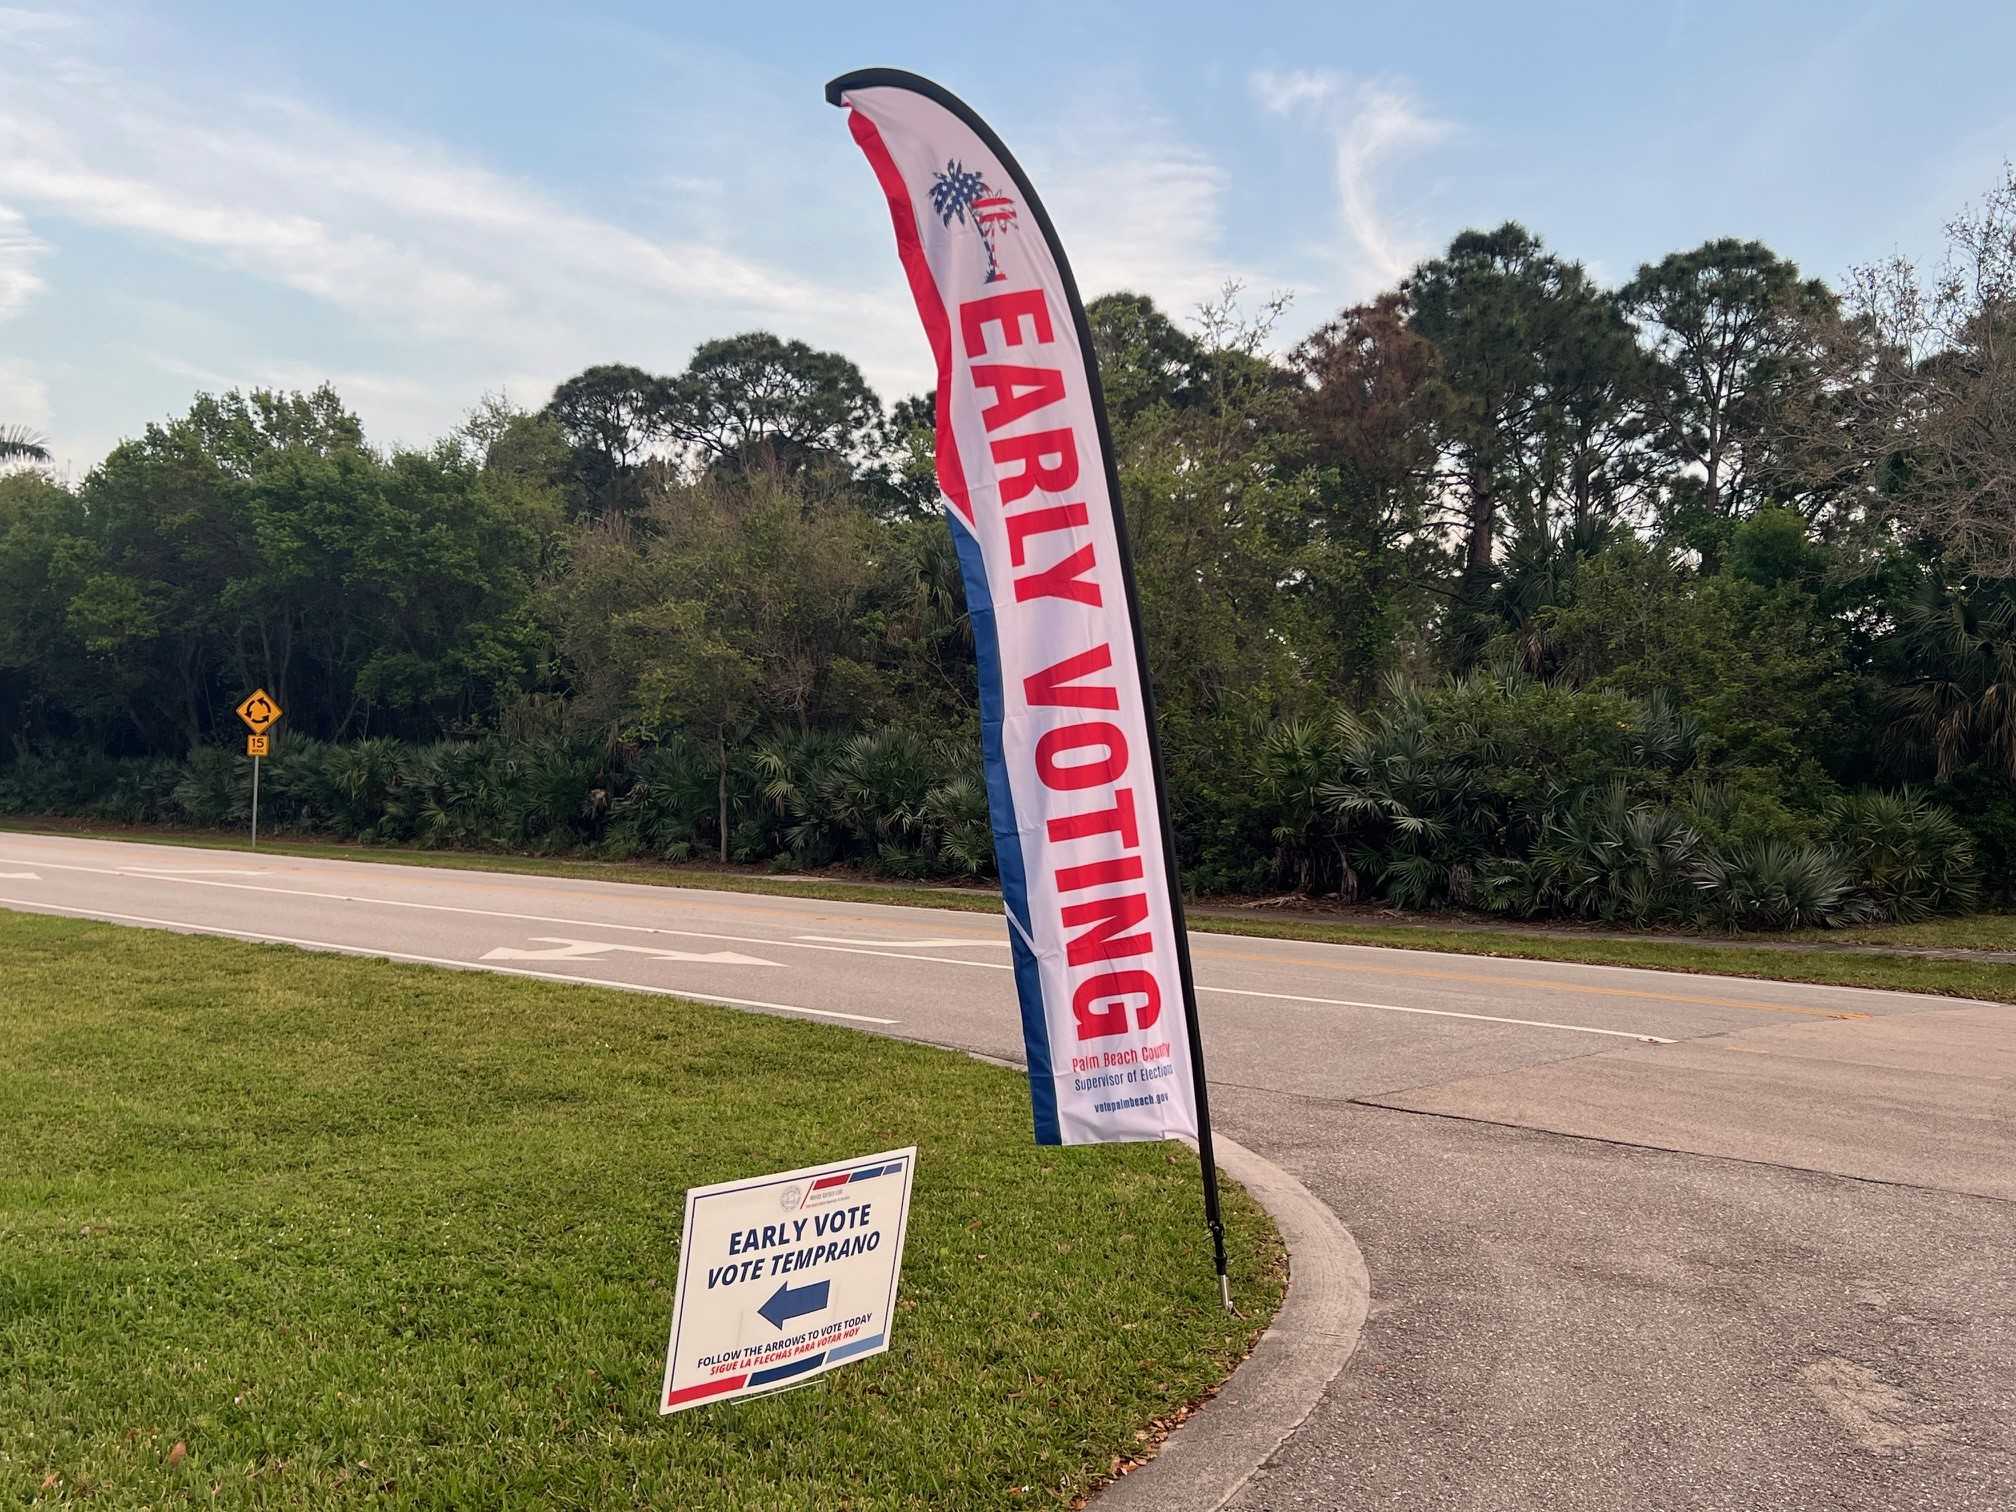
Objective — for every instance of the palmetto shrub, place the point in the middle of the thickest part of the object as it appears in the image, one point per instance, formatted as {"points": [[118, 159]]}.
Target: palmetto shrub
{"points": [[138, 791], [356, 785], [875, 791], [456, 793], [37, 782], [959, 825], [297, 790], [1910, 857], [1409, 813], [1446, 791], [1772, 884], [895, 799], [668, 810], [790, 819], [215, 788], [1296, 757], [1604, 856], [559, 791]]}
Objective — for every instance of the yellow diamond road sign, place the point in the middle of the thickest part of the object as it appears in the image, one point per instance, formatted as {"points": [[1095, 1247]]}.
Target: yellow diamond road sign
{"points": [[260, 712]]}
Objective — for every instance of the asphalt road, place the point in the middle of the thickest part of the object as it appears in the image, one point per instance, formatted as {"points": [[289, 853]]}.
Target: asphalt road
{"points": [[1637, 1240]]}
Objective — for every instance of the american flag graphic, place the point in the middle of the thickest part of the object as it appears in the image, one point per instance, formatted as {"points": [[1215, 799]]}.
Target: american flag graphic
{"points": [[960, 189]]}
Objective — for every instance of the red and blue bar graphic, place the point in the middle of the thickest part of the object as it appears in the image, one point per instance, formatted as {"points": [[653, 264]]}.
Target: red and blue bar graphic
{"points": [[848, 1178], [774, 1372]]}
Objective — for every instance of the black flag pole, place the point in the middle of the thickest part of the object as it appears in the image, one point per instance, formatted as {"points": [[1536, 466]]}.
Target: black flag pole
{"points": [[871, 78]]}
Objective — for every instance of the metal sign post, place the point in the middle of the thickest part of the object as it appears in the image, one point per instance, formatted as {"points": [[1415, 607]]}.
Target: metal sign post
{"points": [[260, 712], [255, 747]]}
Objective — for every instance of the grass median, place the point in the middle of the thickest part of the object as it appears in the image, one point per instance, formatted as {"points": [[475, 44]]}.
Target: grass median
{"points": [[1881, 961], [281, 1228]]}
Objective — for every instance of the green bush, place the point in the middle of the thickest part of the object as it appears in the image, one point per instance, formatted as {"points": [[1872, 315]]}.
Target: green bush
{"points": [[1984, 803], [1910, 857], [1494, 791], [1742, 806], [44, 783], [1605, 856], [215, 788], [669, 808], [1770, 884], [1430, 799], [962, 830], [296, 790], [139, 791]]}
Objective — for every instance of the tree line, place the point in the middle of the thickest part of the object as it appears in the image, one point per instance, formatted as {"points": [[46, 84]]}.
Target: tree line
{"points": [[1688, 599]]}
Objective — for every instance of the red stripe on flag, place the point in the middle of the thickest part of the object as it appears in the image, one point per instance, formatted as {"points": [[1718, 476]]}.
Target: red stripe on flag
{"points": [[930, 303], [704, 1389]]}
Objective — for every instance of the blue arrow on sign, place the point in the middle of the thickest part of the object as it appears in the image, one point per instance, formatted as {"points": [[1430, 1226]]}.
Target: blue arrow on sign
{"points": [[786, 1304]]}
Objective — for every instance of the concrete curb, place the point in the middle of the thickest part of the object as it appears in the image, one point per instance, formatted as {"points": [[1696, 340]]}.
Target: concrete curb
{"points": [[1209, 1460]]}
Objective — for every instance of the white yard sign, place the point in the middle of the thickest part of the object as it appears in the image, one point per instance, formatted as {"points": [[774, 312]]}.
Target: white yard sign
{"points": [[783, 1277]]}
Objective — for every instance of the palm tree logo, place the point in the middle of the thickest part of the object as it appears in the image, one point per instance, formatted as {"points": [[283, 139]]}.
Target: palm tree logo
{"points": [[959, 190]]}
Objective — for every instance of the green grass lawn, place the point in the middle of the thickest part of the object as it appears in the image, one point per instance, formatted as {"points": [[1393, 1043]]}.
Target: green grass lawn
{"points": [[287, 1229], [1991, 981], [1982, 931]]}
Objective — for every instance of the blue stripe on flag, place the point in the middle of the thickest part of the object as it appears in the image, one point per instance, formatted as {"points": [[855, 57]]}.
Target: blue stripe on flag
{"points": [[1007, 835]]}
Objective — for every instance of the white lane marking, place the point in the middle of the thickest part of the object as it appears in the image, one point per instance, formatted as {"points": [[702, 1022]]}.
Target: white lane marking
{"points": [[1930, 999], [592, 950], [528, 918], [1483, 1018], [20, 876], [31, 905], [802, 944], [193, 871], [905, 944]]}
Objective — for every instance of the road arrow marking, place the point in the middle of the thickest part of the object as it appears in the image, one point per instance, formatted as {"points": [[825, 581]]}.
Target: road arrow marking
{"points": [[902, 944], [592, 950], [786, 1304], [20, 876]]}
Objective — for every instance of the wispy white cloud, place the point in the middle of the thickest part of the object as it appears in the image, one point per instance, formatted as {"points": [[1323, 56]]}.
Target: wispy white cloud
{"points": [[444, 271], [18, 21], [400, 232], [1371, 124], [24, 397], [20, 250], [1139, 206], [1138, 209], [416, 275]]}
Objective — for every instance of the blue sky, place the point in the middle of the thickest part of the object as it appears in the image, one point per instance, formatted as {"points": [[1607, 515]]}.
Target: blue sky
{"points": [[422, 203]]}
